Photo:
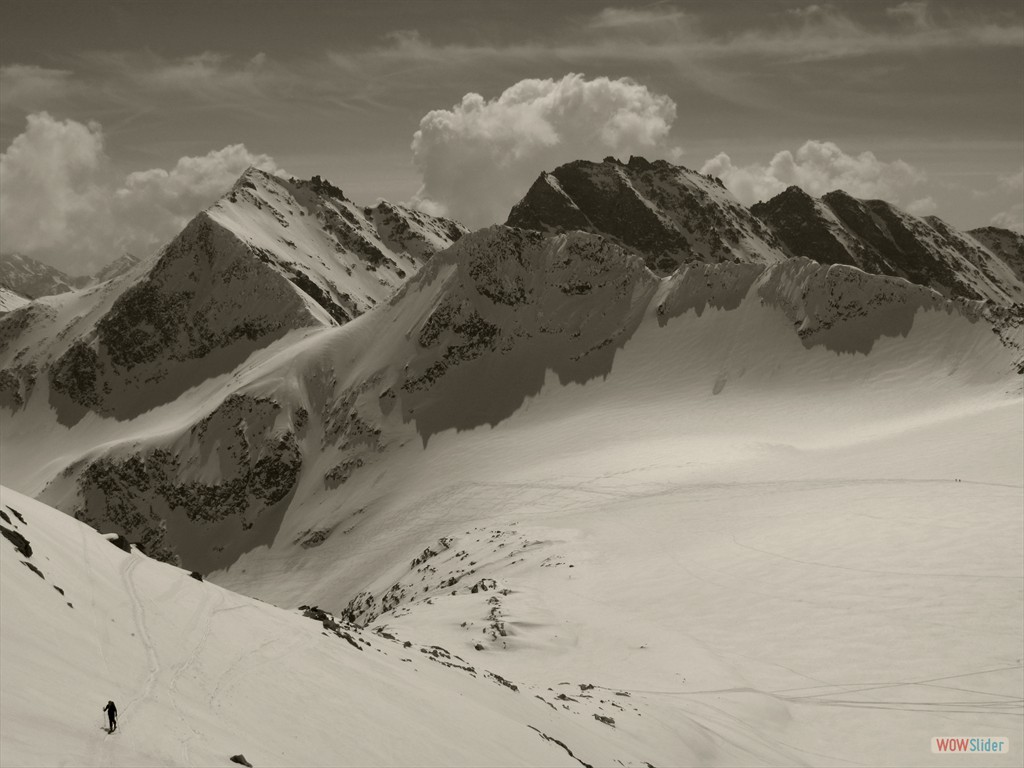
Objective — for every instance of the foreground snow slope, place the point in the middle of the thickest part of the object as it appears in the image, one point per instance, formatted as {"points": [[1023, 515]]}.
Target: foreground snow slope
{"points": [[200, 673]]}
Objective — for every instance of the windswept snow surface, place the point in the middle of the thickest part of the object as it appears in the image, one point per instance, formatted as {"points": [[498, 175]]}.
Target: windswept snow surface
{"points": [[9, 300], [199, 673]]}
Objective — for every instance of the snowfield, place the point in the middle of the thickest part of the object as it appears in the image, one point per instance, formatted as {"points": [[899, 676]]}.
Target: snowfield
{"points": [[200, 674]]}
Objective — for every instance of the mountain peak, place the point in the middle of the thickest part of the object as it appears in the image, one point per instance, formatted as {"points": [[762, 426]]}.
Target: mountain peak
{"points": [[32, 278], [878, 237], [668, 214]]}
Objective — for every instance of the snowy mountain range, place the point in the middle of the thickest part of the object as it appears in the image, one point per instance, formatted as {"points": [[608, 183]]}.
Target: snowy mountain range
{"points": [[32, 279], [580, 449], [23, 279], [669, 214]]}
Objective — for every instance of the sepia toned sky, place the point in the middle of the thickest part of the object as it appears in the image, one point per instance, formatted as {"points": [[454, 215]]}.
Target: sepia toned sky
{"points": [[120, 120]]}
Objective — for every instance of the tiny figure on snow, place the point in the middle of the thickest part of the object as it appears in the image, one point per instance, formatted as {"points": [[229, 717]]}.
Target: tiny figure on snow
{"points": [[111, 711]]}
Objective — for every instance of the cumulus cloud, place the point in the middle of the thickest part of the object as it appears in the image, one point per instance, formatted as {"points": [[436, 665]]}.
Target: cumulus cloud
{"points": [[479, 157], [817, 167], [152, 206], [51, 184], [62, 202]]}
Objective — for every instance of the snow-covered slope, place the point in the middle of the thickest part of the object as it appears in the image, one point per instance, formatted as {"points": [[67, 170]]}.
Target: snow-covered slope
{"points": [[31, 278], [10, 300], [668, 214], [119, 266], [271, 257], [200, 674], [878, 237], [345, 257], [1004, 243]]}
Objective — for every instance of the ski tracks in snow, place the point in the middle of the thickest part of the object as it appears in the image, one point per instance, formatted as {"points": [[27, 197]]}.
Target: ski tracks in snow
{"points": [[203, 630], [196, 634], [131, 563], [101, 636]]}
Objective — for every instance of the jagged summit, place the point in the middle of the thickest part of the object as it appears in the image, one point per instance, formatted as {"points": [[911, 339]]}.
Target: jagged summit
{"points": [[668, 214], [270, 257], [878, 237], [345, 257]]}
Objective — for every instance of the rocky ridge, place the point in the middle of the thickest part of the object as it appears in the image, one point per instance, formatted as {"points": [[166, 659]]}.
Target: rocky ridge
{"points": [[271, 257], [668, 214], [879, 238], [1004, 243]]}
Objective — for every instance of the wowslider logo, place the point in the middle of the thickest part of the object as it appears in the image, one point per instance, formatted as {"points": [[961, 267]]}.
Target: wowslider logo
{"points": [[978, 745]]}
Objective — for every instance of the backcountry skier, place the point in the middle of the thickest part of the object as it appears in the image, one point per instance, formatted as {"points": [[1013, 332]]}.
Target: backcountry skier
{"points": [[111, 711]]}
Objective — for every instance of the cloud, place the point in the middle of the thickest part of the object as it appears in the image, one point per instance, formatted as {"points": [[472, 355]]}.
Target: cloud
{"points": [[621, 19], [62, 202], [913, 12], [923, 206], [28, 86], [1013, 182], [822, 32], [152, 206], [1010, 219], [670, 36], [479, 157], [51, 184], [817, 167]]}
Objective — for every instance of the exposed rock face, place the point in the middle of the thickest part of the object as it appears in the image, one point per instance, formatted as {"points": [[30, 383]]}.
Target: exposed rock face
{"points": [[16, 385], [809, 228], [230, 467], [877, 237], [1004, 243], [32, 279], [208, 291], [271, 257], [510, 305], [345, 258], [663, 212]]}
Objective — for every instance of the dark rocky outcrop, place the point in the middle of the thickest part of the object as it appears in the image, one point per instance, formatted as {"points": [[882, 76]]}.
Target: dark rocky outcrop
{"points": [[663, 212], [1004, 243], [20, 542], [877, 237]]}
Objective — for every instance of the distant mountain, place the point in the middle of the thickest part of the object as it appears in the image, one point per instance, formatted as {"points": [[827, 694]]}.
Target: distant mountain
{"points": [[878, 237], [120, 266], [32, 279], [1004, 243], [668, 214], [271, 257]]}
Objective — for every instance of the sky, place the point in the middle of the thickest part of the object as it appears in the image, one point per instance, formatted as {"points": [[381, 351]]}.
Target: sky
{"points": [[120, 120]]}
